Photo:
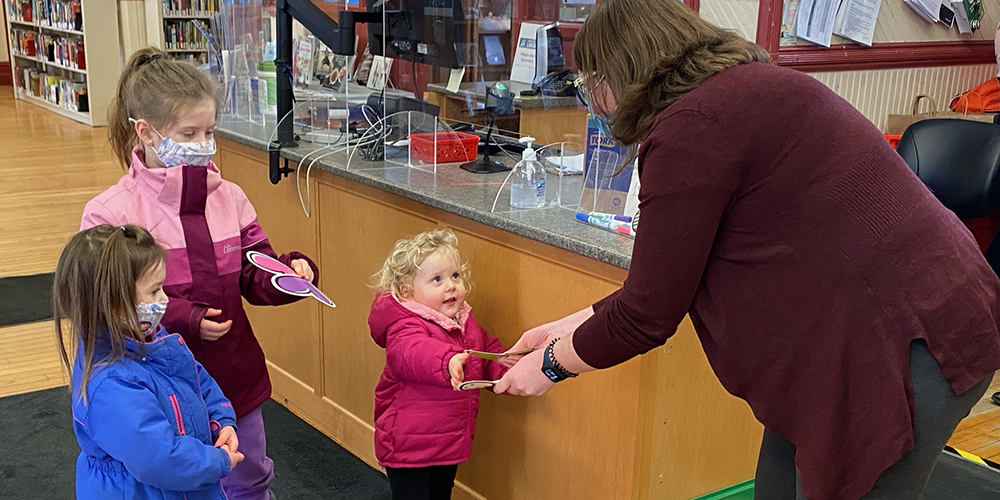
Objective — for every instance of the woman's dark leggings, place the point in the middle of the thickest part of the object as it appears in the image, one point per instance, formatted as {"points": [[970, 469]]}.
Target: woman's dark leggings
{"points": [[937, 412]]}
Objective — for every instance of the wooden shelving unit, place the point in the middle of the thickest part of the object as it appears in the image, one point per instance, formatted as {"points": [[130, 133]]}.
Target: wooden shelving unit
{"points": [[101, 57]]}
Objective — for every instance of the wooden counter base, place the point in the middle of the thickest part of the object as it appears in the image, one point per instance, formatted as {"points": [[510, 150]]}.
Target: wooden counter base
{"points": [[659, 426]]}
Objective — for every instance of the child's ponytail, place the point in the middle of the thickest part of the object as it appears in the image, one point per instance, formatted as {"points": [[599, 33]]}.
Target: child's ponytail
{"points": [[94, 291], [154, 87], [121, 132]]}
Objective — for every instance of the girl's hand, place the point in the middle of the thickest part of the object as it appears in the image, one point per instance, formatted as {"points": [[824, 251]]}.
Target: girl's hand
{"points": [[212, 330], [456, 368], [525, 378], [227, 439], [303, 269], [235, 457]]}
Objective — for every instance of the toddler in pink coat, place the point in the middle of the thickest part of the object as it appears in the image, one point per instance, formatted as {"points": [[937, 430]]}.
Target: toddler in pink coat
{"points": [[424, 425]]}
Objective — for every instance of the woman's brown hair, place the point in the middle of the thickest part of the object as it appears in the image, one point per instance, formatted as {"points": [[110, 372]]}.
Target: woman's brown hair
{"points": [[94, 293], [154, 87], [651, 53]]}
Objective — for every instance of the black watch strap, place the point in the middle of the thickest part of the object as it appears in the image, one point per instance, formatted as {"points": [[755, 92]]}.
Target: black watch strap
{"points": [[551, 368]]}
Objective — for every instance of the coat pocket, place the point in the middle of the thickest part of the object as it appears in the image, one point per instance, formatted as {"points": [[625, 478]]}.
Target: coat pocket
{"points": [[177, 414]]}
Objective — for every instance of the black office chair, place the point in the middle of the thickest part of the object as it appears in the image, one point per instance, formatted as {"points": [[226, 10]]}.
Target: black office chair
{"points": [[959, 160]]}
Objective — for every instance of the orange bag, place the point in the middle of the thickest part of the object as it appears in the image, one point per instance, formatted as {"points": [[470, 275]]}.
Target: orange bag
{"points": [[983, 98]]}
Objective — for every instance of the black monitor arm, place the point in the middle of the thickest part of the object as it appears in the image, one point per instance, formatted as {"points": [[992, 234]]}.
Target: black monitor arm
{"points": [[340, 39]]}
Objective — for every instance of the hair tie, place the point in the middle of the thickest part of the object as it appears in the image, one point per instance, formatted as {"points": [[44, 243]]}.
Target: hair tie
{"points": [[149, 59]]}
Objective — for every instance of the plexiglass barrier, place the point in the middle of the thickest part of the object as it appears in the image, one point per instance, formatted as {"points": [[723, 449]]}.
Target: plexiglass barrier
{"points": [[428, 85]]}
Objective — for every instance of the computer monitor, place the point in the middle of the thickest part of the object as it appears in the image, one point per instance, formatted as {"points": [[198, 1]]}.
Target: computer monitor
{"points": [[424, 31], [549, 55]]}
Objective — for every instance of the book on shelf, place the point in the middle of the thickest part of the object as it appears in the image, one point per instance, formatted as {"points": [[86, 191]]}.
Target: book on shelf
{"points": [[60, 91], [183, 35], [190, 7], [58, 14], [61, 50], [23, 42], [20, 11], [196, 58], [47, 13]]}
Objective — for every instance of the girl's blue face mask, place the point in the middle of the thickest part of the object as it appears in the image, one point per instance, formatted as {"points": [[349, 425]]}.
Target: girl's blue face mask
{"points": [[174, 154]]}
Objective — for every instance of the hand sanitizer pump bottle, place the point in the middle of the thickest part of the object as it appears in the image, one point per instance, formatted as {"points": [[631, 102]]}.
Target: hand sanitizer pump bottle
{"points": [[527, 189]]}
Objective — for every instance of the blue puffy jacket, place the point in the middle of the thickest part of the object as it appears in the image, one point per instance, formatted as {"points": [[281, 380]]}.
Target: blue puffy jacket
{"points": [[148, 425]]}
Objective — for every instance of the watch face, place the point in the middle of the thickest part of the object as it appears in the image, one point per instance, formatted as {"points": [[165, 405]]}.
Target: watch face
{"points": [[553, 376]]}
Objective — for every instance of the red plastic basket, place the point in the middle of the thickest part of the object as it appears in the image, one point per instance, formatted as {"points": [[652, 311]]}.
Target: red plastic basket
{"points": [[893, 139], [451, 147]]}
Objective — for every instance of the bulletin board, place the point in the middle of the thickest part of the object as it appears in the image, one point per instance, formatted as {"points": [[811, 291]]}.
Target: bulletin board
{"points": [[900, 42], [897, 22], [902, 38]]}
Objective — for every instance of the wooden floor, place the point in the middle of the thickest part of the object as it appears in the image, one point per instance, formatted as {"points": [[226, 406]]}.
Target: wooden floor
{"points": [[51, 166]]}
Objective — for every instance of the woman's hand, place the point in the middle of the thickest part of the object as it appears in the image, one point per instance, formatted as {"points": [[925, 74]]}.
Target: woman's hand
{"points": [[539, 336], [303, 269], [456, 368], [526, 377]]}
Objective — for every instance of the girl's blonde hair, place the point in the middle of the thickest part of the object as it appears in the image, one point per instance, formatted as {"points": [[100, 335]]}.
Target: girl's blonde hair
{"points": [[651, 53], [154, 87], [94, 291], [396, 275]]}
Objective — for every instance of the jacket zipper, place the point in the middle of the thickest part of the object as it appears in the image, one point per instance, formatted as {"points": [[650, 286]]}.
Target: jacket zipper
{"points": [[177, 414]]}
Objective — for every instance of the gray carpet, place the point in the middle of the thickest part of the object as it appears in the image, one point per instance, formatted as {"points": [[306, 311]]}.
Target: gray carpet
{"points": [[25, 299], [38, 454]]}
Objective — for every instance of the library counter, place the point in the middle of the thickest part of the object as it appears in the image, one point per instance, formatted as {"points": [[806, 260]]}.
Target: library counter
{"points": [[657, 427], [459, 192]]}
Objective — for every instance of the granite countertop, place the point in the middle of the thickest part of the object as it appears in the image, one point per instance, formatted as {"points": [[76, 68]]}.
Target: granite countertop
{"points": [[454, 190], [477, 90]]}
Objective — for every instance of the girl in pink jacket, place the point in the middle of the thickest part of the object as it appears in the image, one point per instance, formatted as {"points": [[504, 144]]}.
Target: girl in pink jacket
{"points": [[161, 126], [424, 425]]}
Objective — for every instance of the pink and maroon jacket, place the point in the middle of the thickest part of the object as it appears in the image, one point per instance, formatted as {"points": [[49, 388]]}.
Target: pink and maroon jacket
{"points": [[420, 421], [206, 225]]}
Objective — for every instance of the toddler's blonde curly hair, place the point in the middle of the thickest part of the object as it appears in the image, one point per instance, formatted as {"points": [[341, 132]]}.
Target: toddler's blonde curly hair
{"points": [[396, 275]]}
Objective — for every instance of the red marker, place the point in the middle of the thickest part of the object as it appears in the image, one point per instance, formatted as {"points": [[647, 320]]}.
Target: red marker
{"points": [[626, 230]]}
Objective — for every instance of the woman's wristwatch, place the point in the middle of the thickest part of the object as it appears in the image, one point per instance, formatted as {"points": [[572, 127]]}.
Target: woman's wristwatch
{"points": [[551, 368]]}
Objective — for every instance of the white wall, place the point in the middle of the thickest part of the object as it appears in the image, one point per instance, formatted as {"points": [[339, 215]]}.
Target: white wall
{"points": [[877, 93]]}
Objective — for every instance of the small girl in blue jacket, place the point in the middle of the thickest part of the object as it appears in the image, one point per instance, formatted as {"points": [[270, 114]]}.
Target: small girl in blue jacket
{"points": [[150, 421]]}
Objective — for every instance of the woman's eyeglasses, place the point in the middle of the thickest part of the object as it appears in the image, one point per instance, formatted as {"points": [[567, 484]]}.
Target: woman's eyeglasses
{"points": [[583, 91]]}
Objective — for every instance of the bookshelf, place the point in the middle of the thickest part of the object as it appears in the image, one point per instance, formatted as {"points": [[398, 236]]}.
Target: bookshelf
{"points": [[59, 61], [170, 26]]}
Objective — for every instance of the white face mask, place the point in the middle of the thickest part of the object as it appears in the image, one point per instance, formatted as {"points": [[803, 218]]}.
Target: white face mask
{"points": [[150, 314], [175, 154]]}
